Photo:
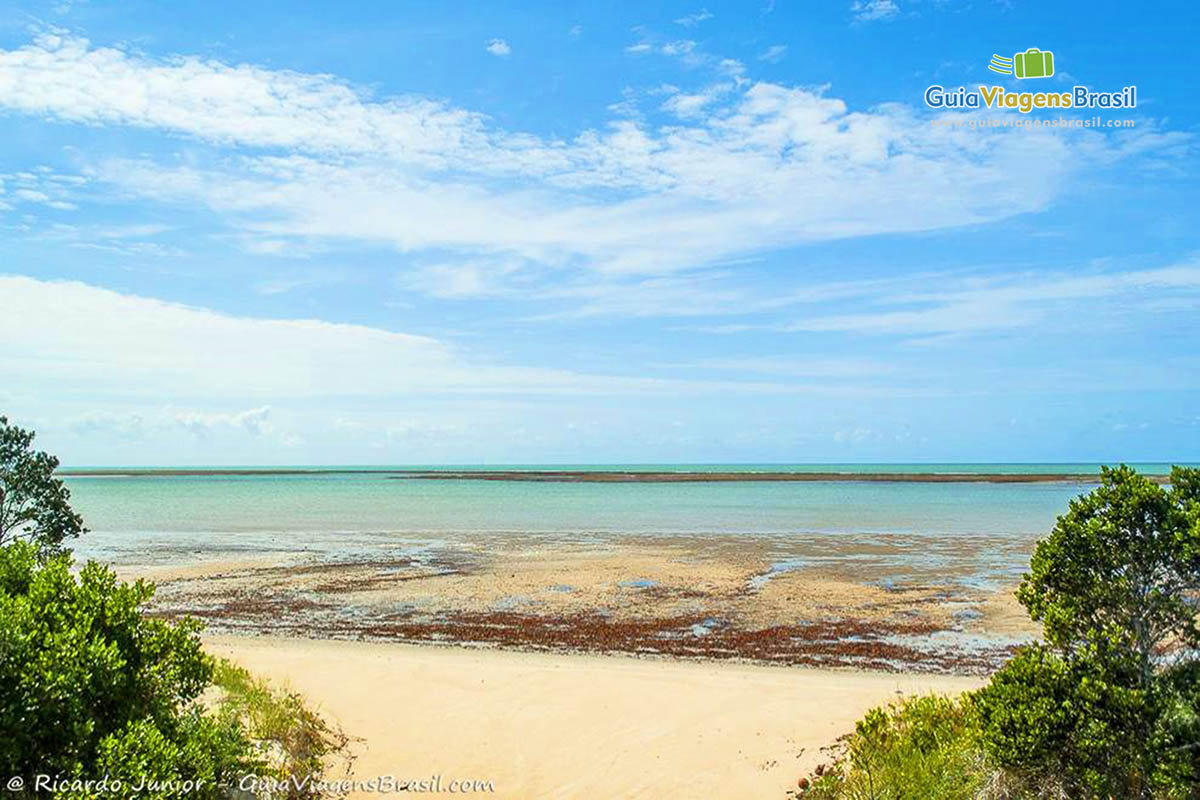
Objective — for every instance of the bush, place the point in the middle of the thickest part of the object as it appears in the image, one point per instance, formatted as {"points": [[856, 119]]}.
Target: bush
{"points": [[1053, 722], [297, 746], [91, 690], [920, 748], [1107, 706], [89, 687]]}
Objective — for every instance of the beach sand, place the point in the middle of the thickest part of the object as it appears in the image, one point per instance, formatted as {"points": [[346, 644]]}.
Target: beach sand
{"points": [[549, 725]]}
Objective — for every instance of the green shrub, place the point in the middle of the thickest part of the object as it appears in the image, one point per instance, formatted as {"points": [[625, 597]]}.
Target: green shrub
{"points": [[1050, 721], [89, 687], [1107, 706], [919, 748], [296, 745], [93, 691]]}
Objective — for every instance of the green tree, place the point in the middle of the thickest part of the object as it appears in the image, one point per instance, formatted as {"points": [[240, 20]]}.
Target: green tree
{"points": [[1107, 705], [33, 503], [1118, 577], [91, 687]]}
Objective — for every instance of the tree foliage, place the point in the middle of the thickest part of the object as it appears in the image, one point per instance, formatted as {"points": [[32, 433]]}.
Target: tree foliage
{"points": [[93, 690], [34, 505], [91, 687], [1106, 705], [1118, 577]]}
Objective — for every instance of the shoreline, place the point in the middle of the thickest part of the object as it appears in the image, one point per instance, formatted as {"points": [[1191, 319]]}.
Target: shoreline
{"points": [[569, 725], [616, 476]]}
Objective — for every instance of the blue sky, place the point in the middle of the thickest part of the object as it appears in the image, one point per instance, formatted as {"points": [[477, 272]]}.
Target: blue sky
{"points": [[485, 232]]}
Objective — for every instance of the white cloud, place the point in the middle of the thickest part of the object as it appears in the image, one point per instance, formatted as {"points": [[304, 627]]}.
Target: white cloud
{"points": [[690, 105], [73, 334], [165, 423], [774, 53], [694, 19], [1016, 301], [463, 279], [293, 279], [67, 79], [738, 167], [132, 239], [120, 426], [687, 51], [678, 48], [734, 69], [39, 186], [872, 10], [69, 339], [255, 421], [498, 47]]}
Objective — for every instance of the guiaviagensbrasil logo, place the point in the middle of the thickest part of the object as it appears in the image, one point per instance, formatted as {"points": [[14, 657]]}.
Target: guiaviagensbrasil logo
{"points": [[1031, 63]]}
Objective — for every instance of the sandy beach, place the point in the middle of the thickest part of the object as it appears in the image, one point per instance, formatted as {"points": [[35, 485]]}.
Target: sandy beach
{"points": [[541, 725], [574, 639]]}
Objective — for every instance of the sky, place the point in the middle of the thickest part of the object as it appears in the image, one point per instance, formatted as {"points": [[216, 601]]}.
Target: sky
{"points": [[417, 233]]}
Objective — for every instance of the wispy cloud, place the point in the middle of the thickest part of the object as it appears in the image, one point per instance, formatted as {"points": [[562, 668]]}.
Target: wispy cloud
{"points": [[774, 54], [255, 421], [40, 186], [71, 339], [1014, 301], [686, 51], [469, 278], [694, 19], [872, 10], [680, 47], [293, 280]]}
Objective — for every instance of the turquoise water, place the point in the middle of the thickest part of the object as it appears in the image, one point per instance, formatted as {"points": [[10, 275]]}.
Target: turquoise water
{"points": [[178, 517], [1157, 468], [328, 503]]}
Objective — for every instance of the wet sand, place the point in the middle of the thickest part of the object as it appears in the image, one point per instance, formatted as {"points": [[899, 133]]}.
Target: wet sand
{"points": [[809, 603], [575, 726]]}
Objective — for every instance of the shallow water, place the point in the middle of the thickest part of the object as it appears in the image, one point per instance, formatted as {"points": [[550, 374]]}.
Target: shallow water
{"points": [[179, 518]]}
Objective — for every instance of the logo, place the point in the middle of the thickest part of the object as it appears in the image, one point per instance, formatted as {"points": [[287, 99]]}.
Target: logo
{"points": [[1033, 63]]}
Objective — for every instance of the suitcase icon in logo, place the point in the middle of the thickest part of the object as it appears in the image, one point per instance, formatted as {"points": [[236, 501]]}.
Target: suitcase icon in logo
{"points": [[1033, 63]]}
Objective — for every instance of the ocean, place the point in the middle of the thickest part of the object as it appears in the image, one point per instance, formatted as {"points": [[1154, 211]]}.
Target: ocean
{"points": [[156, 517]]}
